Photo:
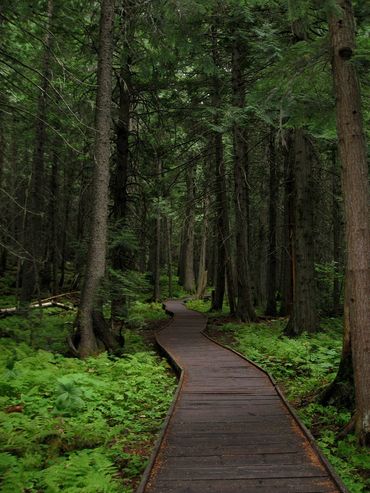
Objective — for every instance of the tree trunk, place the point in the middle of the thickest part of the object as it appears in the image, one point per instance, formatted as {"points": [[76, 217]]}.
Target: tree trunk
{"points": [[34, 234], [353, 157], [304, 314], [244, 307], [337, 238], [271, 309], [158, 230], [188, 245], [121, 256], [224, 266], [202, 268], [287, 251], [169, 255], [95, 268], [341, 392]]}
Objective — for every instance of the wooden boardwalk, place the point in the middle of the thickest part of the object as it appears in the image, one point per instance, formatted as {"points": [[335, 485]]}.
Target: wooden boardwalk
{"points": [[229, 430]]}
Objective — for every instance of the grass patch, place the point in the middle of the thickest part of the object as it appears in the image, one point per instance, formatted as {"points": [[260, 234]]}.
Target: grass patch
{"points": [[303, 367], [76, 425]]}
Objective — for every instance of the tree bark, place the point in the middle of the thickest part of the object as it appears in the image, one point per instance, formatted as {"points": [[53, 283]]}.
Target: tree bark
{"points": [[353, 157], [158, 230], [188, 245], [34, 234], [95, 268], [304, 314], [271, 309], [224, 265], [337, 238], [121, 256], [244, 308], [202, 268]]}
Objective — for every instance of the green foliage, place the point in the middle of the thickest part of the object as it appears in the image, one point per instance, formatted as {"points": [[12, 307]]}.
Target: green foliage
{"points": [[141, 313], [46, 328], [72, 425]]}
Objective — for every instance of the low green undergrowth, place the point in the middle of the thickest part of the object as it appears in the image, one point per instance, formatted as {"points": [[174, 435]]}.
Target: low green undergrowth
{"points": [[76, 425], [303, 367]]}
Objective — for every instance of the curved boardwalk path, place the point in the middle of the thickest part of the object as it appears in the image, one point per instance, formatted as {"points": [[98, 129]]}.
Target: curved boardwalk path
{"points": [[229, 430]]}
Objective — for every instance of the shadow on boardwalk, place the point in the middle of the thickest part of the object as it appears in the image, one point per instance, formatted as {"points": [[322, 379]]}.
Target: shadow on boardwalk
{"points": [[229, 430]]}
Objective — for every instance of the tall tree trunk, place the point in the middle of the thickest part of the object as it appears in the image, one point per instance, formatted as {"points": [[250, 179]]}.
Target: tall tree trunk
{"points": [[34, 234], [271, 309], [53, 219], [244, 307], [95, 268], [3, 252], [337, 236], [202, 268], [304, 315], [224, 265], [287, 250], [158, 232], [353, 157], [169, 255], [188, 248], [121, 256]]}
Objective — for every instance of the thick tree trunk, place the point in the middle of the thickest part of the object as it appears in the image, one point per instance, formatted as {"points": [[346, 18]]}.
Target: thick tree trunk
{"points": [[95, 268], [34, 234], [244, 307], [304, 314], [353, 157], [271, 308]]}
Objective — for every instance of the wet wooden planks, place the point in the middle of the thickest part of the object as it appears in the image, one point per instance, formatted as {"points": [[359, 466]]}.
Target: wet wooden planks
{"points": [[229, 430]]}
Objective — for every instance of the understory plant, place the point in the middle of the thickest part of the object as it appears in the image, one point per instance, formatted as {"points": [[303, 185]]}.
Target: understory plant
{"points": [[303, 367], [78, 425]]}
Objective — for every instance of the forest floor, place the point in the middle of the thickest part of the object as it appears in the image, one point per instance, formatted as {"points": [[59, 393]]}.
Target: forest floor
{"points": [[302, 367], [70, 425]]}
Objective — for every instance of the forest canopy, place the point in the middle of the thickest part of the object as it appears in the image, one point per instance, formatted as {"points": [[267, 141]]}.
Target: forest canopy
{"points": [[189, 148]]}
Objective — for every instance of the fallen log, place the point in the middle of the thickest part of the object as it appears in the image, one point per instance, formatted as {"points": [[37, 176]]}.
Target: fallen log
{"points": [[4, 312]]}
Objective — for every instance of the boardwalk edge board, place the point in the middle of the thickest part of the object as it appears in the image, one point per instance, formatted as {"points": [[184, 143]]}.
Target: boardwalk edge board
{"points": [[180, 373], [162, 433], [294, 415]]}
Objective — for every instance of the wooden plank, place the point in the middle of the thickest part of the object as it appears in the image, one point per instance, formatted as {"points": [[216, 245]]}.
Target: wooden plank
{"points": [[289, 485], [230, 430]]}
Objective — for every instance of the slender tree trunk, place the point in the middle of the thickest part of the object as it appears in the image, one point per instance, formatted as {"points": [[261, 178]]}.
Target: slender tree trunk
{"points": [[244, 307], [169, 255], [158, 231], [304, 315], [95, 268], [337, 236], [188, 249], [121, 256], [271, 308], [202, 268], [353, 157], [3, 252], [53, 219], [34, 234], [287, 250], [224, 265]]}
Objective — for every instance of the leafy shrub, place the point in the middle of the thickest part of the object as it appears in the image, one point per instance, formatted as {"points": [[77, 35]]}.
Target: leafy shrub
{"points": [[78, 425]]}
